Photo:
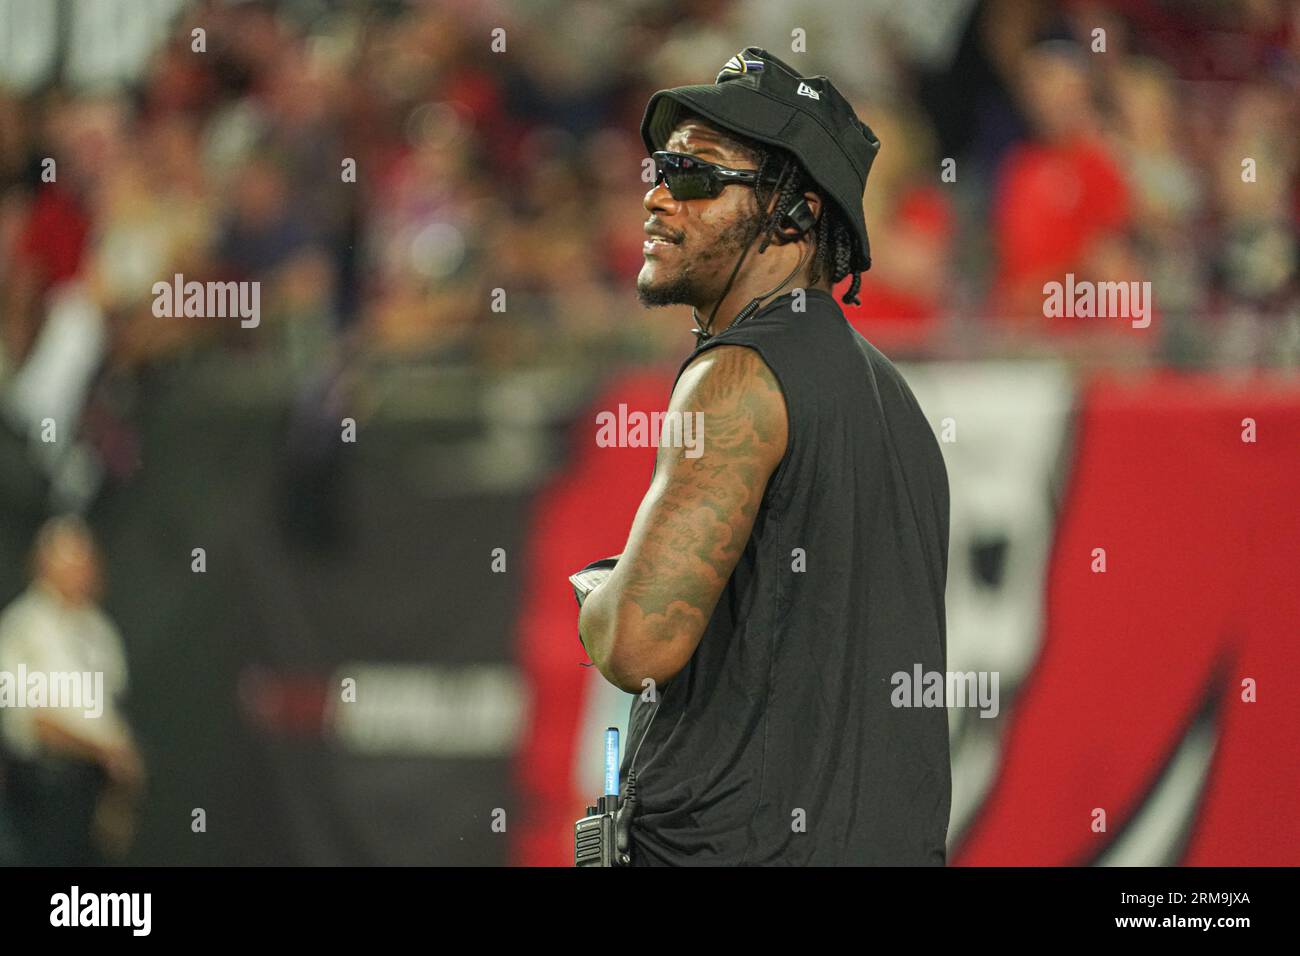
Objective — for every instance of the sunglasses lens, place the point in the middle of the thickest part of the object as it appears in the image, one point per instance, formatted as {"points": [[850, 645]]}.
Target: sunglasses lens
{"points": [[686, 178], [697, 184]]}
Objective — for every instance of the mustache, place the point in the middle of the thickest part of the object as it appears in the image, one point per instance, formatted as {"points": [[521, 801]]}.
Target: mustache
{"points": [[658, 229]]}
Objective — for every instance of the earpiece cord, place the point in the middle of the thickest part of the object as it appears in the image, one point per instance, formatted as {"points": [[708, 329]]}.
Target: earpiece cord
{"points": [[631, 769], [753, 303], [706, 333], [702, 331]]}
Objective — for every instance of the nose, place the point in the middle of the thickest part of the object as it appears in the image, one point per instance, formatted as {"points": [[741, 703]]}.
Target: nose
{"points": [[658, 198]]}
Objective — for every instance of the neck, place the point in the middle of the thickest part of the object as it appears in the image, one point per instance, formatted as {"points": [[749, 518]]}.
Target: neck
{"points": [[759, 275]]}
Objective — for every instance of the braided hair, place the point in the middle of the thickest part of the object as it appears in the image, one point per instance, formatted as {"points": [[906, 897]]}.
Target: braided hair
{"points": [[781, 173]]}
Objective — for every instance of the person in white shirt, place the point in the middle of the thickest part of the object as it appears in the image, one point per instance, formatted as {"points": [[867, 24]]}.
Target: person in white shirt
{"points": [[73, 772]]}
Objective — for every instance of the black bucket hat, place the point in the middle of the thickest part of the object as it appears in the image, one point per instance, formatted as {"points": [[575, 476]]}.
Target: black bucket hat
{"points": [[758, 96]]}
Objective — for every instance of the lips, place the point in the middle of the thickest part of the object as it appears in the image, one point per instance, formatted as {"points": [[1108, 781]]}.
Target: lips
{"points": [[656, 243]]}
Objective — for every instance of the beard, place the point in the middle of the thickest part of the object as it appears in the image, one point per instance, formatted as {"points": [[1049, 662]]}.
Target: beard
{"points": [[698, 281], [680, 288]]}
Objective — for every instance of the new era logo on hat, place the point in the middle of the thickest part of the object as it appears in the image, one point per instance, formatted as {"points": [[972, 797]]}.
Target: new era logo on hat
{"points": [[806, 90]]}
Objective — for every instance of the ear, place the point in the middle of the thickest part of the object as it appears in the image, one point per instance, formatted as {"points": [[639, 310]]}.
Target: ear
{"points": [[814, 202], [802, 218]]}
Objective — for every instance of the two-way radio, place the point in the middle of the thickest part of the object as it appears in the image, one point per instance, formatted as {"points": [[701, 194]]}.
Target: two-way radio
{"points": [[604, 836]]}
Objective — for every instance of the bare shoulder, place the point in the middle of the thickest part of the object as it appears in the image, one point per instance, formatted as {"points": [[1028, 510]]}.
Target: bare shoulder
{"points": [[743, 406]]}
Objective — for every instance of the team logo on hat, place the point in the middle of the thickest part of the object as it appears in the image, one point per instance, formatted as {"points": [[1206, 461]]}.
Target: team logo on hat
{"points": [[738, 64]]}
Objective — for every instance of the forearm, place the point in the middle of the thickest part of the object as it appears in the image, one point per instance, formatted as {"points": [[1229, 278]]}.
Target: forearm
{"points": [[625, 654], [628, 645], [646, 618], [596, 628]]}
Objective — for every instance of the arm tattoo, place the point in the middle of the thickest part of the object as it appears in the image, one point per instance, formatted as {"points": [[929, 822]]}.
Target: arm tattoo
{"points": [[696, 519]]}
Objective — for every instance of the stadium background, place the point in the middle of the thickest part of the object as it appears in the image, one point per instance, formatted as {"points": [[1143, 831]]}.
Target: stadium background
{"points": [[520, 170]]}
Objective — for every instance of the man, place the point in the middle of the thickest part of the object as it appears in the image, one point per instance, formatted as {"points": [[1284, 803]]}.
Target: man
{"points": [[774, 584], [74, 773]]}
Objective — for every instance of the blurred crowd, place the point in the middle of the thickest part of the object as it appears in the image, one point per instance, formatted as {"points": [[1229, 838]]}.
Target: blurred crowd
{"points": [[496, 147]]}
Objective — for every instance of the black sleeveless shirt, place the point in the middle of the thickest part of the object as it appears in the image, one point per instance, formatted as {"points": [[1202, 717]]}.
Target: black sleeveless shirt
{"points": [[778, 742]]}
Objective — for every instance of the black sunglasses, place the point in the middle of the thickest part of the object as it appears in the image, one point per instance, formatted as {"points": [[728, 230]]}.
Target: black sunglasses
{"points": [[691, 178]]}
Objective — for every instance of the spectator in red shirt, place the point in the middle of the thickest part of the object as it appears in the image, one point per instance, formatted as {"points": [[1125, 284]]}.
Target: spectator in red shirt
{"points": [[1059, 197]]}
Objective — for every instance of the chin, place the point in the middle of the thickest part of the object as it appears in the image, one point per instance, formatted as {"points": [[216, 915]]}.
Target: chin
{"points": [[655, 290]]}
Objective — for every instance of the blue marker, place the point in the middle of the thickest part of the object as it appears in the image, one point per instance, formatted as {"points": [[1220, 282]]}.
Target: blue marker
{"points": [[611, 762]]}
